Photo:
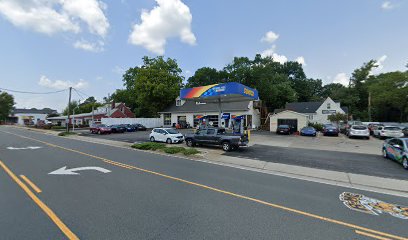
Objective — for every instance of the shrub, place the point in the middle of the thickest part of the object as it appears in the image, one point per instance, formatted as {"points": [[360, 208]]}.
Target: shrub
{"points": [[317, 126], [149, 146], [190, 151], [173, 150], [58, 127]]}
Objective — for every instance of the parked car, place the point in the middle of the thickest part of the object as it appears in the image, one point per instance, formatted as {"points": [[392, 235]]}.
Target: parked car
{"points": [[283, 129], [358, 131], [167, 135], [389, 132], [129, 127], [216, 136], [118, 128], [373, 128], [308, 131], [139, 127], [330, 131], [100, 129], [396, 149], [405, 131]]}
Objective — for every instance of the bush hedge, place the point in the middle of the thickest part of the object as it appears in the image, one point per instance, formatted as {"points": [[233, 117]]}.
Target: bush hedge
{"points": [[160, 146]]}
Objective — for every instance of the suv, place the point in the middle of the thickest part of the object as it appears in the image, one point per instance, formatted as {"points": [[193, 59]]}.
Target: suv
{"points": [[216, 136], [358, 131], [388, 132]]}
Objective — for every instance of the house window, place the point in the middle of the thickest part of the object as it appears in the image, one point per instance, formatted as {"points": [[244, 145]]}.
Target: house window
{"points": [[167, 119], [328, 105], [178, 102]]}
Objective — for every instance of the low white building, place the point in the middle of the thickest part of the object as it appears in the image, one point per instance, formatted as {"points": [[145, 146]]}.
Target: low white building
{"points": [[32, 116], [287, 117], [189, 112], [317, 112]]}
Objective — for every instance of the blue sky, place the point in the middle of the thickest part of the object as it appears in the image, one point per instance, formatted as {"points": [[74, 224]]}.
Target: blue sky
{"points": [[46, 45]]}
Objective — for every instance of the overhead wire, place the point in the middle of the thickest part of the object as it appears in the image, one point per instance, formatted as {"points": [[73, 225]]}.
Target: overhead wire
{"points": [[28, 92]]}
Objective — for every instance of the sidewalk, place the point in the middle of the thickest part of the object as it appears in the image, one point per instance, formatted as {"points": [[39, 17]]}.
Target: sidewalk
{"points": [[364, 182]]}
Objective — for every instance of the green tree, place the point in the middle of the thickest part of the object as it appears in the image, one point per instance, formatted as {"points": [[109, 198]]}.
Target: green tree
{"points": [[72, 105], [153, 86], [337, 117], [206, 76], [6, 105]]}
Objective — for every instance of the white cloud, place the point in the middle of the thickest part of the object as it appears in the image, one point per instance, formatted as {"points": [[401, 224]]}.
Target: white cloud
{"points": [[60, 84], [88, 46], [270, 37], [270, 52], [387, 5], [56, 16], [301, 60], [342, 78], [171, 18]]}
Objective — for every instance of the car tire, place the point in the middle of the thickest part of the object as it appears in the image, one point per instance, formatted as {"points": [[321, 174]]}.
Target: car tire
{"points": [[152, 139], [384, 153], [368, 138], [99, 132], [226, 146], [168, 141], [190, 143], [405, 163]]}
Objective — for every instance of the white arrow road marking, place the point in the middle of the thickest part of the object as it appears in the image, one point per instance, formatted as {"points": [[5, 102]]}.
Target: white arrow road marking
{"points": [[23, 148], [72, 171]]}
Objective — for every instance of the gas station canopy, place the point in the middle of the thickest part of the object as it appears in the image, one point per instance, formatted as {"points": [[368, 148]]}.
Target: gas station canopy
{"points": [[222, 92]]}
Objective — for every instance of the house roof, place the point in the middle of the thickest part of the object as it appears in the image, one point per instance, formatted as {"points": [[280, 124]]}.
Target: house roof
{"points": [[290, 111], [303, 107], [192, 107], [33, 111]]}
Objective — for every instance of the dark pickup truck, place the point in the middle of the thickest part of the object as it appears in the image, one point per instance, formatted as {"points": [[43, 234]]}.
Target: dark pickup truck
{"points": [[216, 136]]}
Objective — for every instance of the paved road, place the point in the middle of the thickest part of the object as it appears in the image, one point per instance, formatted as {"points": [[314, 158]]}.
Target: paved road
{"points": [[367, 164], [150, 196]]}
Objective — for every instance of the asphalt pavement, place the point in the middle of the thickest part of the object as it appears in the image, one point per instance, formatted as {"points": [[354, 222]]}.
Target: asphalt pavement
{"points": [[150, 196]]}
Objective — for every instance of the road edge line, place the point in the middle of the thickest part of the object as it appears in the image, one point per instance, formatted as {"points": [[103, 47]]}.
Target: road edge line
{"points": [[31, 184]]}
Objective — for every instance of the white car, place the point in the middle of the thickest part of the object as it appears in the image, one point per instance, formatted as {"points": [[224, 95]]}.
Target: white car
{"points": [[389, 132], [359, 131], [167, 135]]}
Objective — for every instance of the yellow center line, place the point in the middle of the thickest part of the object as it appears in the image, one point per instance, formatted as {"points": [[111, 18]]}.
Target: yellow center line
{"points": [[32, 185], [70, 235], [372, 235], [311, 215]]}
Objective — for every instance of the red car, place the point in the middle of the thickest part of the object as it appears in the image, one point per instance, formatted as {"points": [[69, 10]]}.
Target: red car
{"points": [[100, 129]]}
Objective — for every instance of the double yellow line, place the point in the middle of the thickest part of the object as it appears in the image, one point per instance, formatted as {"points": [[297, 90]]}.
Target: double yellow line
{"points": [[358, 229]]}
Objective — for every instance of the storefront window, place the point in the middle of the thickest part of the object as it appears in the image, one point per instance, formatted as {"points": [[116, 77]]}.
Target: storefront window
{"points": [[167, 119]]}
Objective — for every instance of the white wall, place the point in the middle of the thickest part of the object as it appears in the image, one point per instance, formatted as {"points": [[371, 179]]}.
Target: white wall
{"points": [[147, 122], [322, 118], [34, 117]]}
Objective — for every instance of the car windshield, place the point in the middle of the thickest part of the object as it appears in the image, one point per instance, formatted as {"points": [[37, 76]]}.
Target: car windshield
{"points": [[171, 131], [102, 125], [359, 127], [308, 128], [283, 126], [392, 128]]}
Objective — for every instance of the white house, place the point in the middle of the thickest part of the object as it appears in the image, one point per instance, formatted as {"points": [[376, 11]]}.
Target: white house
{"points": [[189, 112], [32, 116], [317, 112], [287, 117]]}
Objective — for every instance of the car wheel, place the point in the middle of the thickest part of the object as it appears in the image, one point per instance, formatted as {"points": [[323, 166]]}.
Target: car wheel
{"points": [[226, 146], [368, 138], [99, 132], [385, 154], [168, 141], [190, 143], [152, 139], [405, 163]]}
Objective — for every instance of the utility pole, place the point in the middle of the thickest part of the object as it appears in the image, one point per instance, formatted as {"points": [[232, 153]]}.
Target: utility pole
{"points": [[93, 114], [69, 103], [369, 106]]}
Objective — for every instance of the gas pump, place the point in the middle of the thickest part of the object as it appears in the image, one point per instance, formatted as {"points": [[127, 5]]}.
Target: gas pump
{"points": [[237, 124]]}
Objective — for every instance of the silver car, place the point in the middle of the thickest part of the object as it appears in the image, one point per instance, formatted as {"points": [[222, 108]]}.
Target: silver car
{"points": [[359, 131], [389, 132]]}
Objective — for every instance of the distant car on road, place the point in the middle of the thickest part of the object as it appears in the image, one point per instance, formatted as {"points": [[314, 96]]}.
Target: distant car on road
{"points": [[118, 128], [139, 127], [100, 129], [283, 129], [216, 136], [167, 135], [308, 131], [358, 131], [330, 131], [396, 149], [389, 132]]}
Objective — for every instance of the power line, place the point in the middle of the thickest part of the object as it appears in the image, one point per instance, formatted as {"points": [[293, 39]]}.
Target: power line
{"points": [[76, 91], [81, 92], [25, 92]]}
